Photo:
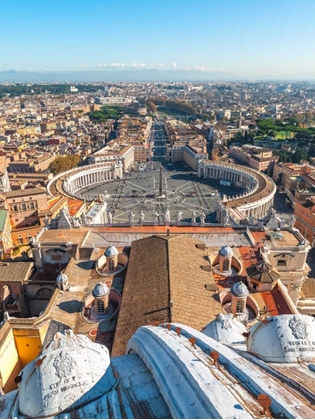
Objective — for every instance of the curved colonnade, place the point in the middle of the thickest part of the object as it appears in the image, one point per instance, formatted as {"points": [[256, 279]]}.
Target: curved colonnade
{"points": [[260, 189], [74, 180], [256, 201]]}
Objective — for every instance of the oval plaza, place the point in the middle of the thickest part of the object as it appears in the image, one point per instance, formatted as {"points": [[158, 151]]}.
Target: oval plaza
{"points": [[249, 193]]}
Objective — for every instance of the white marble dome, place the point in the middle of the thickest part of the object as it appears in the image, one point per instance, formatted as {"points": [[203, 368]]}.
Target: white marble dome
{"points": [[239, 290], [111, 251], [100, 290], [226, 329], [290, 338], [70, 372], [62, 278], [226, 251]]}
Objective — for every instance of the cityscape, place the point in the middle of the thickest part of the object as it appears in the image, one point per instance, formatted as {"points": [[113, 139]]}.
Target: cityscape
{"points": [[157, 221]]}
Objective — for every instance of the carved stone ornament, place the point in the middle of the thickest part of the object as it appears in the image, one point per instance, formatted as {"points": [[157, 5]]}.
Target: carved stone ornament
{"points": [[64, 364], [226, 324], [299, 328]]}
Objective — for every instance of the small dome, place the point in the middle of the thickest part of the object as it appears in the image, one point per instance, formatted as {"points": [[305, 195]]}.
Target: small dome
{"points": [[239, 290], [226, 329], [283, 339], [62, 278], [226, 251], [71, 372], [111, 251], [100, 290]]}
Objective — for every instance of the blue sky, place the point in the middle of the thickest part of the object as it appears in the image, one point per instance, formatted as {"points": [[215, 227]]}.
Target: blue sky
{"points": [[245, 37]]}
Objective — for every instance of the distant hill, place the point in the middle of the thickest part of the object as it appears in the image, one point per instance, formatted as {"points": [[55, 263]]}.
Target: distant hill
{"points": [[112, 76]]}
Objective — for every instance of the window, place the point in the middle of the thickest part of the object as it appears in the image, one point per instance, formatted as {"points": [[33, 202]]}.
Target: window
{"points": [[23, 207], [100, 307], [31, 205], [111, 265], [226, 265], [240, 306], [282, 263]]}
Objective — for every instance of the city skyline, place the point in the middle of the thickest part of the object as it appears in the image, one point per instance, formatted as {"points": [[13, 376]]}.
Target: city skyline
{"points": [[233, 40]]}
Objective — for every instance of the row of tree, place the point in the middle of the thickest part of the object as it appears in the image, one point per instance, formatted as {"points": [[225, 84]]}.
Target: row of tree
{"points": [[180, 107], [64, 163]]}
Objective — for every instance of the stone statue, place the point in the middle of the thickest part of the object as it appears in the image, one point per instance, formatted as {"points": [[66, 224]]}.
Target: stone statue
{"points": [[167, 216], [274, 221], [193, 218], [252, 219], [226, 218], [110, 217], [156, 217], [291, 221], [131, 218], [141, 218], [202, 218], [46, 221], [179, 217]]}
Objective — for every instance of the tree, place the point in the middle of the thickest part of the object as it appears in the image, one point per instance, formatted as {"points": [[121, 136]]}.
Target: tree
{"points": [[64, 163], [151, 106], [300, 154]]}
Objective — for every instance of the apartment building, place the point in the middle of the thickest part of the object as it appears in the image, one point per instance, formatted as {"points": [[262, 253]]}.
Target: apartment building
{"points": [[5, 234], [255, 157], [305, 219], [31, 164], [24, 206]]}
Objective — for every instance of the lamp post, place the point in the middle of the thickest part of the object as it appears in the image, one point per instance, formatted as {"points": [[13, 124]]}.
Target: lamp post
{"points": [[1, 248]]}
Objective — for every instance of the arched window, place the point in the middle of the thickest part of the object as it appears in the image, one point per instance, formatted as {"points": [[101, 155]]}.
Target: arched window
{"points": [[44, 292], [226, 264], [111, 264], [240, 306], [100, 307]]}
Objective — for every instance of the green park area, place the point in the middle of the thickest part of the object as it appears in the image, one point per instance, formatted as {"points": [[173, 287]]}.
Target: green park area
{"points": [[284, 135], [106, 113]]}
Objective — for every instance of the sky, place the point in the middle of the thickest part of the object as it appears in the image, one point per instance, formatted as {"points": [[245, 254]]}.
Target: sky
{"points": [[254, 38]]}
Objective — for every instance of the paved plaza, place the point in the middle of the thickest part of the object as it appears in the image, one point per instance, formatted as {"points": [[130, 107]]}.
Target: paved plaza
{"points": [[184, 195]]}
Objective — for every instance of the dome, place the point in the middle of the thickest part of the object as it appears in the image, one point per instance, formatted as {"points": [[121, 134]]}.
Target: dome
{"points": [[62, 278], [239, 290], [263, 272], [70, 372], [226, 329], [100, 290], [290, 339], [226, 251], [111, 251]]}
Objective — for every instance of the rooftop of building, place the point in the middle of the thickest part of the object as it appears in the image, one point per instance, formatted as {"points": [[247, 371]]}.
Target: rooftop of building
{"points": [[23, 193], [15, 271]]}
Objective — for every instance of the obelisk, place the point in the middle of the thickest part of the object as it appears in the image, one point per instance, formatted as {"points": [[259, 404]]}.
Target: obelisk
{"points": [[160, 186]]}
